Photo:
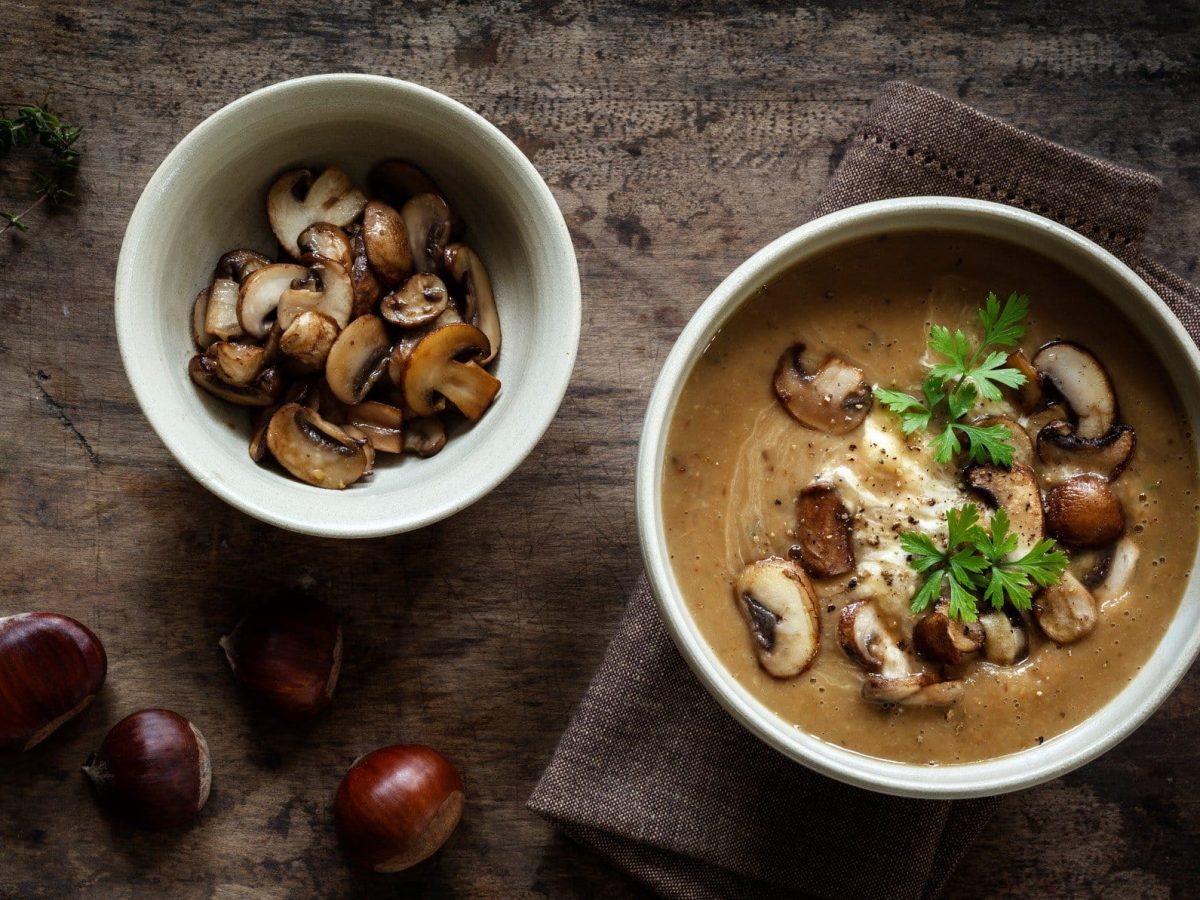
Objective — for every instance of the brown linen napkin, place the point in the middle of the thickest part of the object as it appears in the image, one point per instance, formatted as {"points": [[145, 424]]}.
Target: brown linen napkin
{"points": [[651, 772]]}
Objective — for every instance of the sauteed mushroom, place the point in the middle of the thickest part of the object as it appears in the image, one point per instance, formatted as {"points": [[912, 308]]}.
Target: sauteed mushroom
{"points": [[1083, 382], [398, 180], [367, 289], [1016, 490], [309, 338], [466, 268], [297, 201], [221, 318], [327, 242], [264, 391], [258, 301], [358, 359], [420, 300], [779, 606], [385, 240], [1021, 441], [424, 436], [834, 399], [326, 289], [427, 221], [434, 372], [946, 640], [1110, 578], [1004, 641], [1066, 612], [238, 265], [1058, 444], [867, 641], [313, 449], [200, 333], [1084, 511], [236, 364], [823, 527], [1029, 395]]}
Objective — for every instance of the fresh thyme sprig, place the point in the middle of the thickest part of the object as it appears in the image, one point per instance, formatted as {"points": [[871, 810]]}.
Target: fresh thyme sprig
{"points": [[976, 566], [969, 374], [38, 124]]}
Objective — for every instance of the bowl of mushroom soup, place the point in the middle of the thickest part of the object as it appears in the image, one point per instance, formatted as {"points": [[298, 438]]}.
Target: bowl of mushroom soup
{"points": [[879, 390], [209, 197]]}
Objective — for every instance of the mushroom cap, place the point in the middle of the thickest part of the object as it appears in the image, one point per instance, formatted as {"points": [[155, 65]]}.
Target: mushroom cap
{"points": [[358, 359], [467, 269], [326, 242], [385, 240], [1084, 511], [1066, 612], [418, 301], [264, 391], [398, 180], [297, 201], [238, 264], [779, 605], [1059, 445], [1083, 382], [428, 223], [258, 299], [221, 318], [1016, 490], [367, 289], [314, 450], [433, 369], [942, 639], [309, 338], [823, 528], [835, 399], [327, 290]]}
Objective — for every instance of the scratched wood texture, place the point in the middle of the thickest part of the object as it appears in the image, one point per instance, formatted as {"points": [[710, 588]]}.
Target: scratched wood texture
{"points": [[676, 142]]}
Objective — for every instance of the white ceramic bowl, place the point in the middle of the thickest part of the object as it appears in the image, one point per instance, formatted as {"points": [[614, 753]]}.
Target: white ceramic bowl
{"points": [[1106, 727], [208, 196]]}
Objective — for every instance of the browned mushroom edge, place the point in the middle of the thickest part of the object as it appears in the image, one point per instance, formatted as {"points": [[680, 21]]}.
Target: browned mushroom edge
{"points": [[825, 545], [834, 399]]}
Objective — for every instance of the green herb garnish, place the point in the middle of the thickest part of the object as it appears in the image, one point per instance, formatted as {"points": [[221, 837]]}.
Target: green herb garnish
{"points": [[38, 124], [952, 388], [976, 566]]}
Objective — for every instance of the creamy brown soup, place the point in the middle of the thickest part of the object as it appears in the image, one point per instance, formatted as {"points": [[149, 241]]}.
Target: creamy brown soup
{"points": [[736, 462]]}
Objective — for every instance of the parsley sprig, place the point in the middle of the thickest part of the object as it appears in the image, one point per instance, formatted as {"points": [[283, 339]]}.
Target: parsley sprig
{"points": [[970, 373], [976, 565], [38, 124]]}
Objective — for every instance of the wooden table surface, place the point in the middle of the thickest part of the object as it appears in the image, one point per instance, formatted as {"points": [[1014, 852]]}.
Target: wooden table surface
{"points": [[676, 144]]}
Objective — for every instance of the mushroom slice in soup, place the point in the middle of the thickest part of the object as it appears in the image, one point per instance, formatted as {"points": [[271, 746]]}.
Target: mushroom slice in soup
{"points": [[865, 638], [1066, 612], [314, 450], [1084, 511], [1059, 445], [1016, 490], [834, 399], [1022, 443], [1029, 395], [1083, 382], [297, 200], [945, 640], [1110, 578], [823, 527], [381, 424], [1004, 641], [779, 606]]}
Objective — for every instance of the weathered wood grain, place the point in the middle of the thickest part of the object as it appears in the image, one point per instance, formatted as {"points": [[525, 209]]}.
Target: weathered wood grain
{"points": [[677, 141]]}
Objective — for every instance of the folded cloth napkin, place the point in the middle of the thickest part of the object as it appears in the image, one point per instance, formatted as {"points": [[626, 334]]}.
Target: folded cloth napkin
{"points": [[651, 772]]}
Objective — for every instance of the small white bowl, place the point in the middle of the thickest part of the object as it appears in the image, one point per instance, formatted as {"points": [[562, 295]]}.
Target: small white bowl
{"points": [[1104, 729], [209, 196]]}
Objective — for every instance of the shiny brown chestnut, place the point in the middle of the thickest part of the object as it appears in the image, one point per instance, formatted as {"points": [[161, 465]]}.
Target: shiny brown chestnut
{"points": [[397, 806], [288, 654], [51, 668], [153, 768]]}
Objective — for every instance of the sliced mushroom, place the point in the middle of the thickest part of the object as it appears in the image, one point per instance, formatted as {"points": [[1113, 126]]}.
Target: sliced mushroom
{"points": [[221, 312], [1084, 511], [866, 639], [1021, 441], [367, 289], [434, 371], [823, 527], [1029, 395], [1059, 445], [314, 450], [1039, 419], [297, 392], [200, 333], [326, 289], [258, 300], [385, 240], [296, 201], [424, 436], [466, 268], [940, 694], [264, 390], [1083, 382], [835, 399], [397, 180], [1004, 641], [942, 639], [420, 300], [895, 688], [360, 437], [309, 338], [1066, 612], [238, 365], [382, 424], [779, 605], [238, 265], [1111, 577], [427, 221], [326, 242], [358, 359], [1016, 490]]}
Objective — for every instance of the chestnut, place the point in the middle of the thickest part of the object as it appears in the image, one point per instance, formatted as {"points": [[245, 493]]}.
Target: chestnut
{"points": [[397, 806], [51, 668], [153, 768], [288, 654]]}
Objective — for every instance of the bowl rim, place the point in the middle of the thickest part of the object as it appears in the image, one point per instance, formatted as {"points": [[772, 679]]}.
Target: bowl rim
{"points": [[556, 234], [989, 777]]}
